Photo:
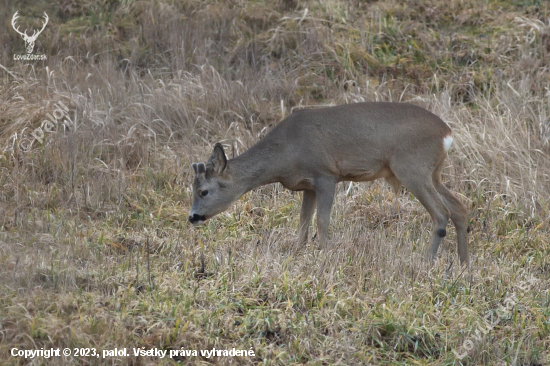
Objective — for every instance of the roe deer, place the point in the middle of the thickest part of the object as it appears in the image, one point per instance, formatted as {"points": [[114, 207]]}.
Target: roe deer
{"points": [[313, 149]]}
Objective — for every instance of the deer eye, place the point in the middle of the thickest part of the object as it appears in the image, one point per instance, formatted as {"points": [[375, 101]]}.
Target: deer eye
{"points": [[204, 193]]}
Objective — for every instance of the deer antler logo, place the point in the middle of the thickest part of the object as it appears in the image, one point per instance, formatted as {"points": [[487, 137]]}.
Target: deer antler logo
{"points": [[29, 40]]}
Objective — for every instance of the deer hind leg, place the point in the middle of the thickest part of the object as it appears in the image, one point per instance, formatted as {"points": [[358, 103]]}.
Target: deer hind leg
{"points": [[459, 216], [306, 213], [420, 184]]}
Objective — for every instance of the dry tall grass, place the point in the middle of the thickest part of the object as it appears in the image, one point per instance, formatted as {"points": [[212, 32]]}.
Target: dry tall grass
{"points": [[95, 248]]}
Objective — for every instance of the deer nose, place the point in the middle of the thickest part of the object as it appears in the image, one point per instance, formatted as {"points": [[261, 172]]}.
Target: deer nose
{"points": [[196, 218]]}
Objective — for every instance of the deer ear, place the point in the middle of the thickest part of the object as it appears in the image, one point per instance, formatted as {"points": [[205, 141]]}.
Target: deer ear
{"points": [[218, 160]]}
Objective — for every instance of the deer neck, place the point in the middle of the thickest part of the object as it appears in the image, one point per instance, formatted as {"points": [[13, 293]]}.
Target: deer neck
{"points": [[256, 167]]}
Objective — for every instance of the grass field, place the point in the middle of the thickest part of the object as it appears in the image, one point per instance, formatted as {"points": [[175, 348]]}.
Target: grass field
{"points": [[96, 251]]}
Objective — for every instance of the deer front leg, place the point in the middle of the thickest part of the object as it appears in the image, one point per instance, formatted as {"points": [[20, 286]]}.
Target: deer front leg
{"points": [[308, 205], [324, 190]]}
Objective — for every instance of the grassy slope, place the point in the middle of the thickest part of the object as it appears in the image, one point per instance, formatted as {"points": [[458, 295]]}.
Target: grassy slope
{"points": [[95, 250]]}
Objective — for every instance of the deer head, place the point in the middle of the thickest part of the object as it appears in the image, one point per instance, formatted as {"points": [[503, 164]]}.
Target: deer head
{"points": [[29, 40]]}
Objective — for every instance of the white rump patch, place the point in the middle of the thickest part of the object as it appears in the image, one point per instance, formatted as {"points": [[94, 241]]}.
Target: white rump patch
{"points": [[447, 141]]}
